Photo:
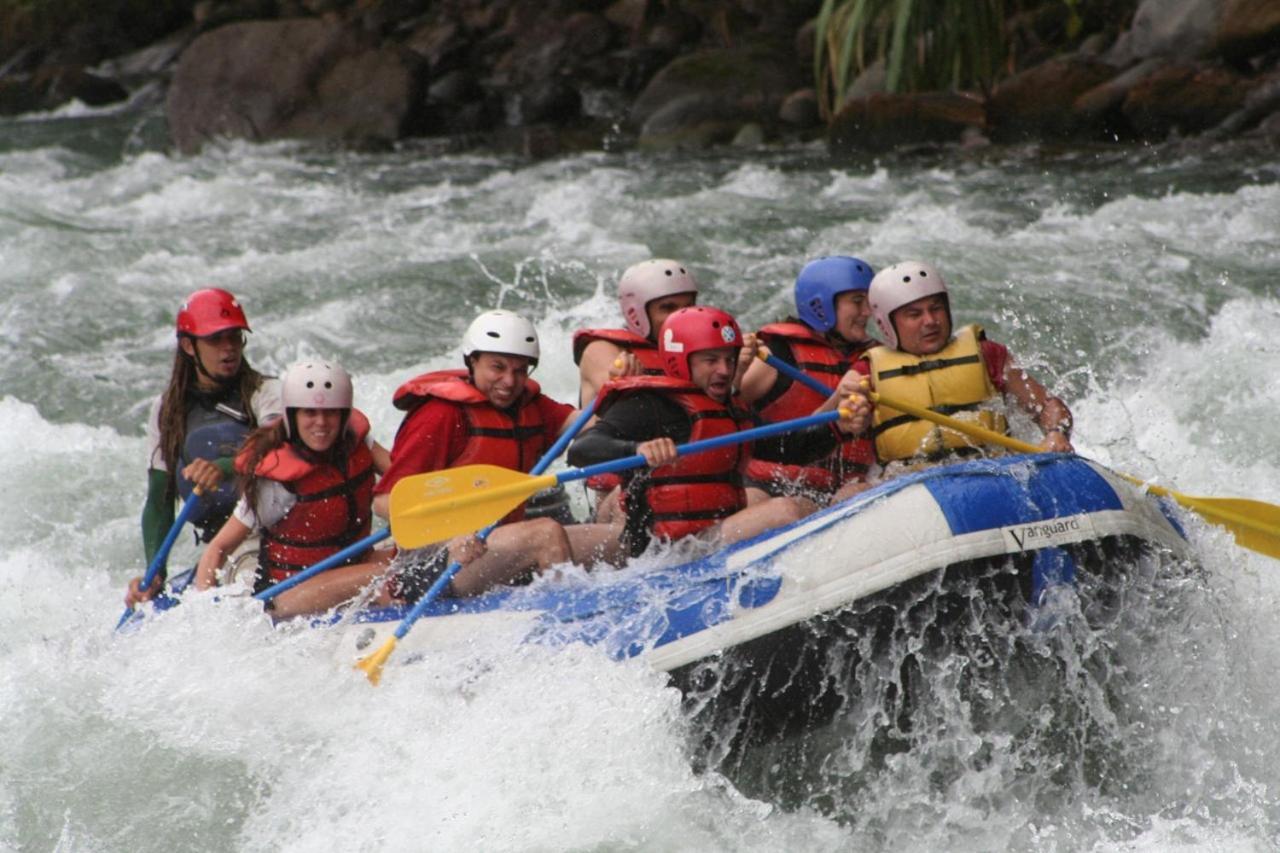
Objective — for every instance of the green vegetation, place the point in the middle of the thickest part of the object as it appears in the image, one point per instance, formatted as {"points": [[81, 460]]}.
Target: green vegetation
{"points": [[925, 44]]}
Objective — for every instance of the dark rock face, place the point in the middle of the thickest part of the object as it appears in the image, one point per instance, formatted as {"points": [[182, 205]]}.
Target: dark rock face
{"points": [[882, 121], [1246, 28], [707, 95], [53, 85], [546, 76], [299, 78], [1037, 104], [1187, 98]]}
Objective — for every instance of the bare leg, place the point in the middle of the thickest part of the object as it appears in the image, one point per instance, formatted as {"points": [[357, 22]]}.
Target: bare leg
{"points": [[593, 544], [848, 490], [511, 551], [754, 520], [609, 510], [331, 588]]}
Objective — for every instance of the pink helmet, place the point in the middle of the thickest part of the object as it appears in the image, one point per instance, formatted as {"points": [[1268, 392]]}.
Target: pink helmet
{"points": [[898, 285], [210, 311], [694, 329], [647, 281]]}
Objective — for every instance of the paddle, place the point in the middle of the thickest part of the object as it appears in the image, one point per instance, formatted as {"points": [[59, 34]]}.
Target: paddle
{"points": [[1254, 524], [355, 549], [372, 665], [161, 555], [433, 507]]}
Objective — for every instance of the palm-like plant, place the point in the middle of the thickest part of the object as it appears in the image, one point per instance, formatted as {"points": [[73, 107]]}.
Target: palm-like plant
{"points": [[925, 44]]}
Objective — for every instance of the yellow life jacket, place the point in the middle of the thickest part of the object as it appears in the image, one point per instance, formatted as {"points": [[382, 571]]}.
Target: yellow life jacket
{"points": [[952, 382]]}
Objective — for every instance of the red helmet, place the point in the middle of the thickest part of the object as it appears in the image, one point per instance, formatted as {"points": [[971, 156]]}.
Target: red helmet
{"points": [[694, 329], [207, 312]]}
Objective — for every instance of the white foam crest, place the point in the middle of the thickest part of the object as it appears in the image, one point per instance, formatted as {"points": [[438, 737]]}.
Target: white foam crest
{"points": [[847, 186], [1185, 420], [757, 181], [451, 751], [66, 485], [1214, 225]]}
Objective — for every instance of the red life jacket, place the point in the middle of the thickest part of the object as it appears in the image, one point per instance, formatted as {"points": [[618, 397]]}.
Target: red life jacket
{"points": [[494, 436], [817, 357], [645, 351], [334, 507], [695, 491], [642, 348]]}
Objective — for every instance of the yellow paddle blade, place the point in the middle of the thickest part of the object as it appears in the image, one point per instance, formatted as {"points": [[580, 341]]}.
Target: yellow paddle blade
{"points": [[440, 505], [1254, 524], [372, 665]]}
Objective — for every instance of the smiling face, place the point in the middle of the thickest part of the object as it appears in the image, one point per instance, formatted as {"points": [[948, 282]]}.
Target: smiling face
{"points": [[663, 307], [712, 370], [852, 312], [318, 428], [923, 326], [500, 377], [220, 355]]}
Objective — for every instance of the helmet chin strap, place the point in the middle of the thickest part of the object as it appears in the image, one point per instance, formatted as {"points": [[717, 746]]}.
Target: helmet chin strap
{"points": [[222, 384]]}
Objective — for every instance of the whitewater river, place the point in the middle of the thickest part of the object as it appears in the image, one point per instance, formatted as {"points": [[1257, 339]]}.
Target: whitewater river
{"points": [[1142, 285]]}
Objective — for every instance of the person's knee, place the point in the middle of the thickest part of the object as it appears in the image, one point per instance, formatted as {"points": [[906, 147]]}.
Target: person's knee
{"points": [[788, 510], [552, 540]]}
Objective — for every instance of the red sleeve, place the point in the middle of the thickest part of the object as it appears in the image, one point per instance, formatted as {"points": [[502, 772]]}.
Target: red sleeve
{"points": [[996, 357], [554, 415], [429, 439]]}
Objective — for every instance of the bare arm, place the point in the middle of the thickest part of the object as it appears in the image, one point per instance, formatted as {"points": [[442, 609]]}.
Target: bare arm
{"points": [[1051, 414], [230, 537], [597, 360], [759, 378]]}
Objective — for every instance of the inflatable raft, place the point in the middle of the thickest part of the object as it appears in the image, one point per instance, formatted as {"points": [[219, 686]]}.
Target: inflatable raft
{"points": [[761, 607]]}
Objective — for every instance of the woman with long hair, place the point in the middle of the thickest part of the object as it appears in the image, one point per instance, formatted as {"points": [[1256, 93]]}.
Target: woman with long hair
{"points": [[307, 485], [212, 401]]}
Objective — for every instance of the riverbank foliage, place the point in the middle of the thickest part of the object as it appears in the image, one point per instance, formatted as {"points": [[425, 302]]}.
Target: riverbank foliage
{"points": [[942, 45]]}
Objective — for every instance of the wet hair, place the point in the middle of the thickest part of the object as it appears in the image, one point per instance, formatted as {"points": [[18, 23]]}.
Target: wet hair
{"points": [[174, 404], [265, 439]]}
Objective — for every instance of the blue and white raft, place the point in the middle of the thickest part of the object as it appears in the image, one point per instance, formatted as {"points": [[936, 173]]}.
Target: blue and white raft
{"points": [[1043, 518]]}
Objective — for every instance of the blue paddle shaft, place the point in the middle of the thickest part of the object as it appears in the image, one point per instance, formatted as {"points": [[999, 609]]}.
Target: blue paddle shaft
{"points": [[753, 434], [161, 555], [355, 549], [797, 374], [433, 592]]}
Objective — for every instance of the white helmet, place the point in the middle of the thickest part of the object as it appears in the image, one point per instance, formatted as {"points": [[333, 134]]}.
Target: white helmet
{"points": [[647, 281], [898, 285], [501, 332], [314, 385]]}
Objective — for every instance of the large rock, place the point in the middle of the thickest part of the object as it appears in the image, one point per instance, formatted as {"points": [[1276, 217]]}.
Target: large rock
{"points": [[1187, 98], [297, 78], [1037, 103], [883, 121], [749, 82], [1247, 28], [1174, 29]]}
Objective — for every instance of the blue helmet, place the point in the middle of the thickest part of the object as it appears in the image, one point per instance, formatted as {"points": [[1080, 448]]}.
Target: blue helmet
{"points": [[820, 281]]}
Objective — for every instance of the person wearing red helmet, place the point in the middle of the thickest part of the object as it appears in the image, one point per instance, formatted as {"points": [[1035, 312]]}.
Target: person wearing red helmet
{"points": [[307, 485], [961, 373], [212, 401], [699, 494], [648, 292], [826, 337]]}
